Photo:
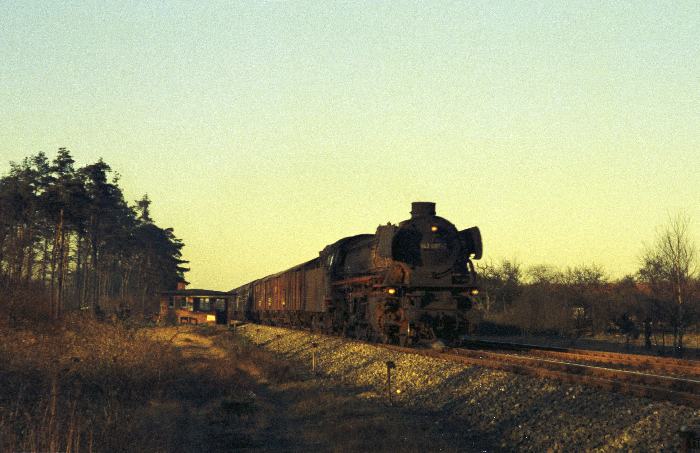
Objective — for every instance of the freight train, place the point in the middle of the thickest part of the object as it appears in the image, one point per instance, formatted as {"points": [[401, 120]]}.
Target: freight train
{"points": [[406, 284]]}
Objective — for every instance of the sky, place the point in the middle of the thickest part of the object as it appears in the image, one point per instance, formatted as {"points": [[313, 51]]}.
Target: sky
{"points": [[568, 132]]}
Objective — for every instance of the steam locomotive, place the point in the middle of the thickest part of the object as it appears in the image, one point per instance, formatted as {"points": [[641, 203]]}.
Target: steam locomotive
{"points": [[407, 283]]}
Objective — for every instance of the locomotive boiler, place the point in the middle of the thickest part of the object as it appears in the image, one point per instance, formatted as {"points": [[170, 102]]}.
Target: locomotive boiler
{"points": [[406, 283]]}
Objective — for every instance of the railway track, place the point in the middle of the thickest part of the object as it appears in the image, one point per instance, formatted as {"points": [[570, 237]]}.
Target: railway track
{"points": [[680, 390], [676, 367]]}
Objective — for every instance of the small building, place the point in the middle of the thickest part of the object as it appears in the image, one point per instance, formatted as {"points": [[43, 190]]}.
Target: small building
{"points": [[195, 306]]}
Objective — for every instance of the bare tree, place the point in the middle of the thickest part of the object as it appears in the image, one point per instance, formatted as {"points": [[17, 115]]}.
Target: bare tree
{"points": [[669, 266], [501, 284], [584, 295]]}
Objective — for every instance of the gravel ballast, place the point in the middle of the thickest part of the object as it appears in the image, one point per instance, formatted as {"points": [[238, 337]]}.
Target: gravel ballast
{"points": [[511, 411]]}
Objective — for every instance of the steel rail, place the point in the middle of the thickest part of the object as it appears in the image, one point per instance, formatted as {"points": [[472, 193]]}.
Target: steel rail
{"points": [[645, 362], [638, 361], [672, 382]]}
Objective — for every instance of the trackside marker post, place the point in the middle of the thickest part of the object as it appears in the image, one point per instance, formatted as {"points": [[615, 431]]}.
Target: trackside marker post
{"points": [[390, 365], [313, 357]]}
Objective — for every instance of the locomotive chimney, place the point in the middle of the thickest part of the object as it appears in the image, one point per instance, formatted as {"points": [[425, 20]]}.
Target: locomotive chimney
{"points": [[422, 209]]}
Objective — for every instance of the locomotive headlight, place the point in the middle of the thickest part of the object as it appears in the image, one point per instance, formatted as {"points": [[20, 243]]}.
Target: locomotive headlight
{"points": [[474, 292], [433, 228], [391, 291]]}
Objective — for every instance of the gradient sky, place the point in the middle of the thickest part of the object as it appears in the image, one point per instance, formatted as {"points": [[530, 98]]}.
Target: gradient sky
{"points": [[262, 131]]}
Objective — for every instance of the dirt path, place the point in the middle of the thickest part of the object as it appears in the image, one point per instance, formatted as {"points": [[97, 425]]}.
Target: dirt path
{"points": [[313, 416]]}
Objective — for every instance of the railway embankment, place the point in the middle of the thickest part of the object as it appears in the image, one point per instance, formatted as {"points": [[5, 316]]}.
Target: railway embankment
{"points": [[91, 386], [500, 409]]}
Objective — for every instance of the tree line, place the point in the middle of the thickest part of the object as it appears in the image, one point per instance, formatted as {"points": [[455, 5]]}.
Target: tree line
{"points": [[661, 297], [70, 241]]}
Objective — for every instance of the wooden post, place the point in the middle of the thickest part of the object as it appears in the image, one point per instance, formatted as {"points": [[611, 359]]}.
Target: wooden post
{"points": [[389, 366]]}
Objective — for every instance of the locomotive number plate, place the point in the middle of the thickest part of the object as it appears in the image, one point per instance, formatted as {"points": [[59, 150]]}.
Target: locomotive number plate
{"points": [[433, 245]]}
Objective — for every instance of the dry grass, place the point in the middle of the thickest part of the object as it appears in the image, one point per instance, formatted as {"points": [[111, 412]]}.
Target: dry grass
{"points": [[89, 386]]}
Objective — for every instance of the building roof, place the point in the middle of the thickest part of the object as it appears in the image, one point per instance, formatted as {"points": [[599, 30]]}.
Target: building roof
{"points": [[197, 293]]}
